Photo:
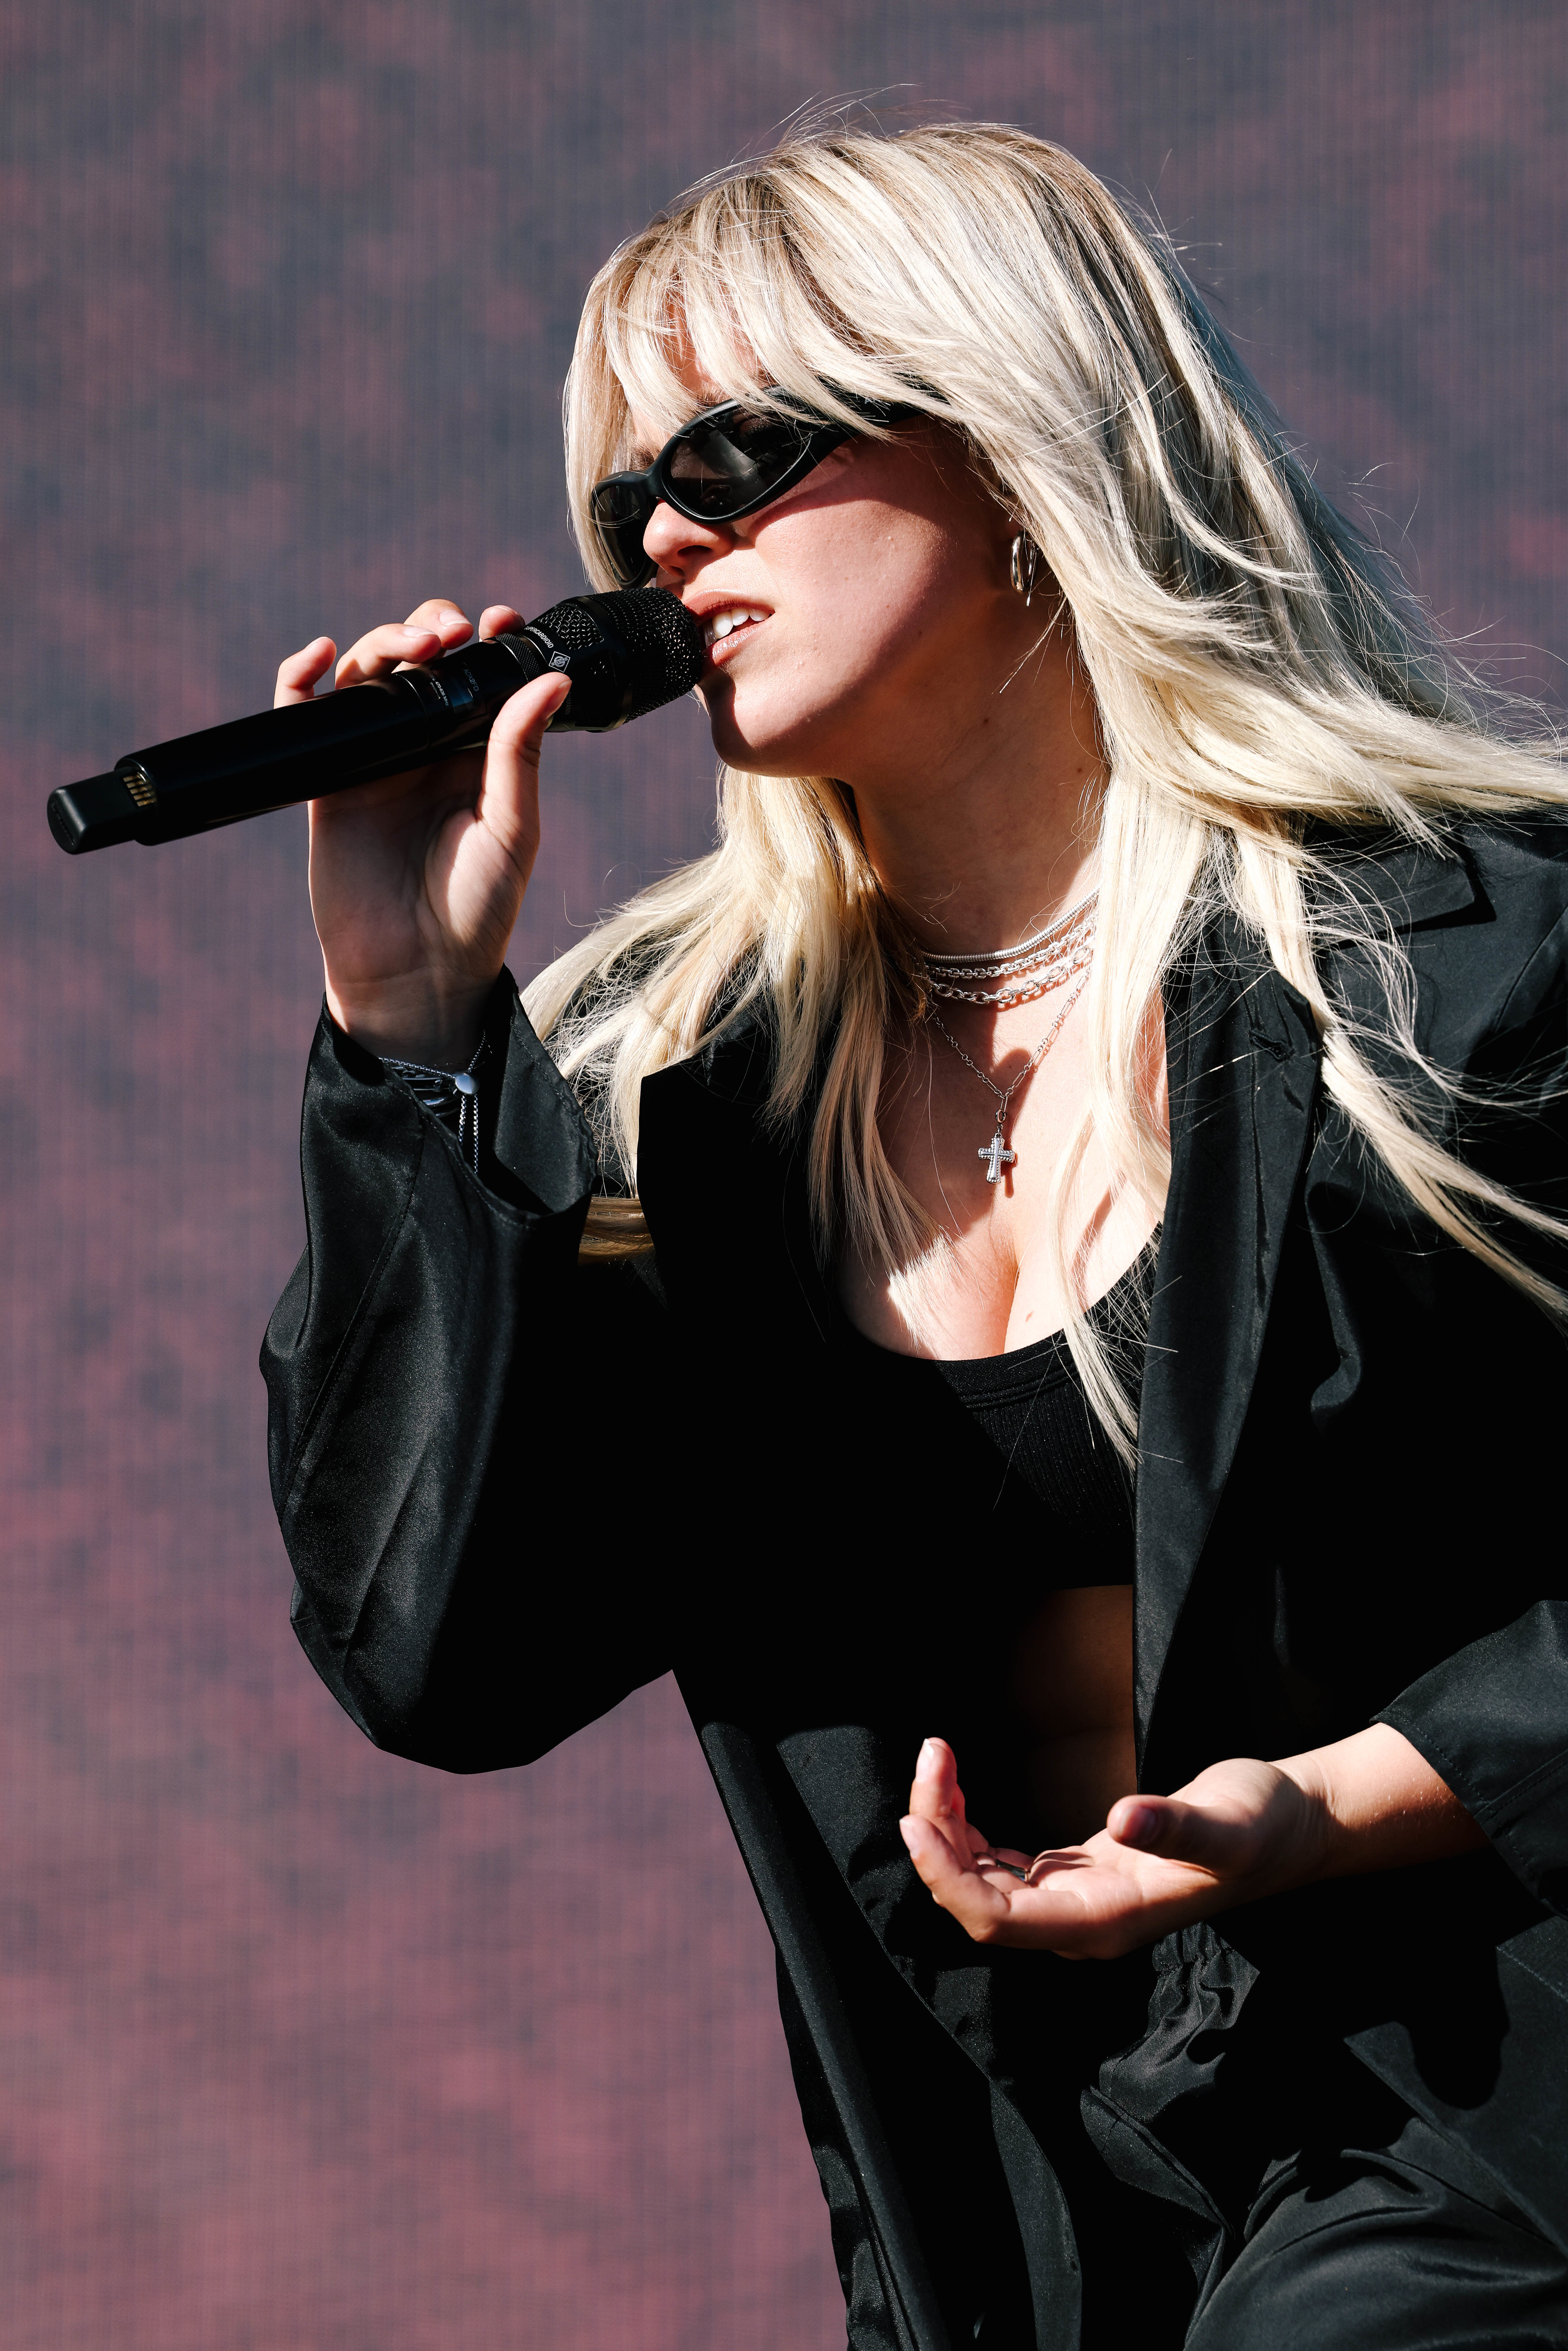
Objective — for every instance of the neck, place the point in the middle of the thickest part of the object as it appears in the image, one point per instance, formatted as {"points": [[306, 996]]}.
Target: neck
{"points": [[983, 844]]}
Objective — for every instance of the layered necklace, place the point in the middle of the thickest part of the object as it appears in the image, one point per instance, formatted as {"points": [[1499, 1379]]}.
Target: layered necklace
{"points": [[1058, 956]]}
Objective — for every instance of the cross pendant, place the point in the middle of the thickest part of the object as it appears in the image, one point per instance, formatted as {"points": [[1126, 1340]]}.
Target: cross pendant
{"points": [[998, 1155]]}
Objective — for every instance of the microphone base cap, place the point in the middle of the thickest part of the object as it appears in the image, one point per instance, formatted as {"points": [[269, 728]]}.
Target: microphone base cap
{"points": [[97, 813]]}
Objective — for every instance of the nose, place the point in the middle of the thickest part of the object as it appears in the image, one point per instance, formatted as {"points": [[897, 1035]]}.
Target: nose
{"points": [[673, 540]]}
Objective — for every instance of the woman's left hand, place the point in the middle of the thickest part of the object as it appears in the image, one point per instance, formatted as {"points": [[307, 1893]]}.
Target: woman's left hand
{"points": [[1240, 1829]]}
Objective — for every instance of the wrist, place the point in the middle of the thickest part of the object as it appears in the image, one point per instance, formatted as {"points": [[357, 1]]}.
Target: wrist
{"points": [[423, 1021], [1323, 1834]]}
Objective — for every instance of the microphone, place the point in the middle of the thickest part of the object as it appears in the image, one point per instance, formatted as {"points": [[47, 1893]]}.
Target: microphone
{"points": [[626, 654]]}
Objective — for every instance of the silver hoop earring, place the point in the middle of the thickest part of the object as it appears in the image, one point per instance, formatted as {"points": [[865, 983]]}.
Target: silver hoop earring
{"points": [[1025, 560]]}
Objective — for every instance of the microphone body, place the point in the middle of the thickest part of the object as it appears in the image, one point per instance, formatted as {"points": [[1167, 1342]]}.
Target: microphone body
{"points": [[626, 654]]}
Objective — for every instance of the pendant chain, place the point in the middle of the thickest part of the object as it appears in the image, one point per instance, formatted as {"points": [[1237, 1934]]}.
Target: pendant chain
{"points": [[996, 1151], [1053, 957]]}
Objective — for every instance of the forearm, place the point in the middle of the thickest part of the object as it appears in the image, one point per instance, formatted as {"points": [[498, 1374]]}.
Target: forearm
{"points": [[1377, 1803]]}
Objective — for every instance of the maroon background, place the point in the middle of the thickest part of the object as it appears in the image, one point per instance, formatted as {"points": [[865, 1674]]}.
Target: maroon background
{"points": [[303, 2045]]}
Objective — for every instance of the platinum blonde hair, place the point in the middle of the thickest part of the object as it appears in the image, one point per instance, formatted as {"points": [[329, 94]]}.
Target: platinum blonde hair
{"points": [[1254, 668]]}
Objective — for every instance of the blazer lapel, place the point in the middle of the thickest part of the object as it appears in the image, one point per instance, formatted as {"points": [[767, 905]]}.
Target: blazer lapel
{"points": [[726, 1192], [1243, 1061]]}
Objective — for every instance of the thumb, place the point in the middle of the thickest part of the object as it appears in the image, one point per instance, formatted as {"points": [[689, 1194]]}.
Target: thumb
{"points": [[509, 796], [1189, 1833], [520, 727]]}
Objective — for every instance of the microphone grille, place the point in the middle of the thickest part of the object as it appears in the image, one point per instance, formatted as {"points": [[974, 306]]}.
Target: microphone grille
{"points": [[571, 625], [629, 652]]}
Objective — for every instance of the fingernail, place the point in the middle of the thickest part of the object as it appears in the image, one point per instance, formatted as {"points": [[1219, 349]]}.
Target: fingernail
{"points": [[906, 1831], [929, 1760]]}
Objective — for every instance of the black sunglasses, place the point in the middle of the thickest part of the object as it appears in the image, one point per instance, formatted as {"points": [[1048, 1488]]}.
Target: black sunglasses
{"points": [[726, 463]]}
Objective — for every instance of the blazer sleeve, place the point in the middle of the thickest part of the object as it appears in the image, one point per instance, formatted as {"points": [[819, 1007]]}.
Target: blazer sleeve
{"points": [[459, 1415], [1492, 1722]]}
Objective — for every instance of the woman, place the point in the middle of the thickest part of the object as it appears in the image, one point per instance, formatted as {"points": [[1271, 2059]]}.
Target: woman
{"points": [[1051, 1235]]}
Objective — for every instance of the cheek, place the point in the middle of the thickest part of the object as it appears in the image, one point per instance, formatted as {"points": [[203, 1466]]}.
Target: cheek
{"points": [[854, 596]]}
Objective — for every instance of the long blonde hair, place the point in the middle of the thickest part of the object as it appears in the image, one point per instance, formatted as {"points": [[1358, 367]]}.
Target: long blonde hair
{"points": [[1253, 665]]}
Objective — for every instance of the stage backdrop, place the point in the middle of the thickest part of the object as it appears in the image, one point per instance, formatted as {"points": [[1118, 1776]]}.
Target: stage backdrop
{"points": [[302, 2045]]}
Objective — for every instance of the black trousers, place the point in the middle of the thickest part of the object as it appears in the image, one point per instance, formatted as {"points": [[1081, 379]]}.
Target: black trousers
{"points": [[1243, 2183], [1405, 2246]]}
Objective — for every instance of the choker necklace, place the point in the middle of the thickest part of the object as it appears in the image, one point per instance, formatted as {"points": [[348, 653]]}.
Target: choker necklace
{"points": [[1048, 959], [995, 1153]]}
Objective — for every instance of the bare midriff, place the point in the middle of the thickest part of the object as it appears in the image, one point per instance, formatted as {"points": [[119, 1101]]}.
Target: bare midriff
{"points": [[1070, 1683]]}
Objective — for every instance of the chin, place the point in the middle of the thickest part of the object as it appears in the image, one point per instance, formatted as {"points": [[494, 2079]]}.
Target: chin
{"points": [[763, 742], [764, 759]]}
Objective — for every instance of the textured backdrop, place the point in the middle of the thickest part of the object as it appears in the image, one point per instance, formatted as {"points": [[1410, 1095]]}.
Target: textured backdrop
{"points": [[303, 2045]]}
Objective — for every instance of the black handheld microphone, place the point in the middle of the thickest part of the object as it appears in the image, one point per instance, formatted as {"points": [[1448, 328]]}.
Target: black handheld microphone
{"points": [[624, 653]]}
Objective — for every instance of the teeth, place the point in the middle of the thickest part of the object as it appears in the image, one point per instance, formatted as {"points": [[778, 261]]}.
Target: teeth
{"points": [[724, 624]]}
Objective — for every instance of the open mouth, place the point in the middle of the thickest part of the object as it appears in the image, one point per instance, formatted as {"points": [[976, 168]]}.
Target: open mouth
{"points": [[724, 629]]}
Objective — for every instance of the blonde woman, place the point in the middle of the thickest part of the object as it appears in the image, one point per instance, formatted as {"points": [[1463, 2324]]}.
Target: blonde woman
{"points": [[1043, 1250]]}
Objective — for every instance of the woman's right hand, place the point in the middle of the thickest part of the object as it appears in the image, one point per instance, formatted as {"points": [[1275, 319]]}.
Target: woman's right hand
{"points": [[417, 880]]}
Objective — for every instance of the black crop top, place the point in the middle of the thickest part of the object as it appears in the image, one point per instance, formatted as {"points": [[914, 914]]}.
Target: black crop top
{"points": [[998, 1444]]}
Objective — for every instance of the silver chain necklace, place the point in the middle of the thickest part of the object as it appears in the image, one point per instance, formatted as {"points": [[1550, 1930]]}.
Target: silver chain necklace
{"points": [[995, 1153], [1035, 947], [1021, 986], [1051, 958]]}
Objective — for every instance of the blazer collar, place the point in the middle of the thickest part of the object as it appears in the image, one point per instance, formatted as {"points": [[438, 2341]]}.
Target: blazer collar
{"points": [[1411, 884]]}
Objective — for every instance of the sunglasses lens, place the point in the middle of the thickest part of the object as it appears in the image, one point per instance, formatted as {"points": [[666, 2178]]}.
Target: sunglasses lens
{"points": [[716, 469], [621, 508], [721, 469]]}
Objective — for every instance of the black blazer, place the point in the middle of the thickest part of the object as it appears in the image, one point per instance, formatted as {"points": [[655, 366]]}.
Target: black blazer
{"points": [[513, 1489]]}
